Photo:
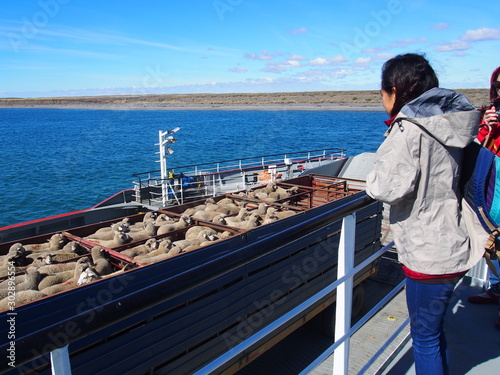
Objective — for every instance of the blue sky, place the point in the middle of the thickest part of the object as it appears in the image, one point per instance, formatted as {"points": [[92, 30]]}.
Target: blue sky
{"points": [[89, 47]]}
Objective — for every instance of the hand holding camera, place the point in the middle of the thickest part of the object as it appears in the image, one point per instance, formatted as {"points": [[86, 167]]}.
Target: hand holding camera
{"points": [[496, 104]]}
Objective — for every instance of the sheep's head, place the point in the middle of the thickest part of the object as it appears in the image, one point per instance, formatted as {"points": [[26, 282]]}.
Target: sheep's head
{"points": [[17, 249]]}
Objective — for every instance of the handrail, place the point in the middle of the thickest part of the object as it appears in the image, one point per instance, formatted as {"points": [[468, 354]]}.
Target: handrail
{"points": [[294, 313], [340, 151], [113, 311]]}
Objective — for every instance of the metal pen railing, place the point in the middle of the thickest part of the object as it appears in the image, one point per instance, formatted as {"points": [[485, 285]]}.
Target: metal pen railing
{"points": [[343, 331], [210, 173]]}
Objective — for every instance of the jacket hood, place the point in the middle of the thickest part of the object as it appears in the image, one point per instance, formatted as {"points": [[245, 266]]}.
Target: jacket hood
{"points": [[448, 115]]}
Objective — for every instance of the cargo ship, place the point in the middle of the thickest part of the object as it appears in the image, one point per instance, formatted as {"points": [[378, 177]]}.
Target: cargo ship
{"points": [[271, 232]]}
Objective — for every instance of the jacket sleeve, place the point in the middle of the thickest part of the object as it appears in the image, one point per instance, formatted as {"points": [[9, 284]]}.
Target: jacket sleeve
{"points": [[397, 167]]}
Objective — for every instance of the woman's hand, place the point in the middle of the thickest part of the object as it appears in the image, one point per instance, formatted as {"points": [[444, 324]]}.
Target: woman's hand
{"points": [[490, 117]]}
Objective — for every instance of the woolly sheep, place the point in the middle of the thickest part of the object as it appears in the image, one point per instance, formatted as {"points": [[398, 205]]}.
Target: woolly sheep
{"points": [[195, 230], [280, 214], [183, 222], [118, 240], [87, 276], [108, 233], [147, 232], [31, 280], [22, 297], [56, 242], [71, 283], [101, 265], [150, 245], [61, 276]]}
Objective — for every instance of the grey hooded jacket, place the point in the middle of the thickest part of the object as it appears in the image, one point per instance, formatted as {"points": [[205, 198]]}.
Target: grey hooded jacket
{"points": [[416, 171]]}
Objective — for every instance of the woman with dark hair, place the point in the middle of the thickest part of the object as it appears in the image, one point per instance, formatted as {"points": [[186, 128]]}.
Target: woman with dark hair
{"points": [[417, 172]]}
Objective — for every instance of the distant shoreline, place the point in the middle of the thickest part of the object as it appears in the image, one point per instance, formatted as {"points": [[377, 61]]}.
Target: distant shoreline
{"points": [[200, 107], [281, 101]]}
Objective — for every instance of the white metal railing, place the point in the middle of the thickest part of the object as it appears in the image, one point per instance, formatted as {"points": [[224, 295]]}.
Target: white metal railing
{"points": [[343, 330], [210, 174]]}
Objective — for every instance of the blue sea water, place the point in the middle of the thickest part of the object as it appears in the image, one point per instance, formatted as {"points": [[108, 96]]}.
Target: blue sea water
{"points": [[59, 160]]}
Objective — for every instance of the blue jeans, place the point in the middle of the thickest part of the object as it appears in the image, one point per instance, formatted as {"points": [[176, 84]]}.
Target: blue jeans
{"points": [[493, 279], [427, 305]]}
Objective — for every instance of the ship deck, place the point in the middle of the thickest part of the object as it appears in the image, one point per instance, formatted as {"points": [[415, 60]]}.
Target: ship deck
{"points": [[473, 340]]}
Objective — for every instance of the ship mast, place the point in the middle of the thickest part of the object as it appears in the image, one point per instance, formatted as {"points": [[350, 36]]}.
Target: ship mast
{"points": [[165, 140]]}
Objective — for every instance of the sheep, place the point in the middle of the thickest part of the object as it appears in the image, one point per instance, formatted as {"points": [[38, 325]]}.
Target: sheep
{"points": [[205, 215], [201, 207], [87, 276], [57, 278], [31, 280], [202, 236], [63, 274], [101, 265], [270, 218], [118, 240], [18, 279], [243, 212], [195, 230], [108, 233], [163, 219], [40, 260], [56, 242], [183, 222], [71, 283], [154, 259], [147, 247], [225, 201], [281, 193], [208, 240], [127, 267], [74, 247], [22, 297], [260, 209], [150, 216], [163, 248], [251, 222], [18, 248], [16, 256], [61, 267], [280, 214], [147, 232]]}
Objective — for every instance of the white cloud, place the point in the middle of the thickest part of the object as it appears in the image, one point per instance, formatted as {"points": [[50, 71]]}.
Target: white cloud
{"points": [[279, 67], [362, 61], [265, 55], [481, 35], [238, 69], [456, 45], [319, 61], [301, 30], [441, 26], [383, 56], [297, 57]]}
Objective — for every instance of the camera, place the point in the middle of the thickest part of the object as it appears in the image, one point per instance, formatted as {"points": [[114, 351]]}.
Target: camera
{"points": [[496, 104]]}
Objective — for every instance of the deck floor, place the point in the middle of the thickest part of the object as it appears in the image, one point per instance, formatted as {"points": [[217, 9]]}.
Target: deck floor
{"points": [[473, 340]]}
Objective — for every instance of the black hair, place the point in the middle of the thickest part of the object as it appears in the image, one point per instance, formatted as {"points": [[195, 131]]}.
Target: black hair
{"points": [[494, 83], [411, 75]]}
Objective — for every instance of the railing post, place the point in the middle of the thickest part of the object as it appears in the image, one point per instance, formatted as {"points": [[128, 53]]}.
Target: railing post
{"points": [[344, 293], [59, 359]]}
